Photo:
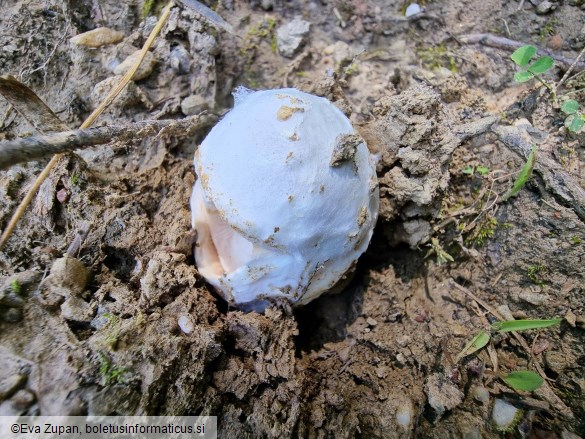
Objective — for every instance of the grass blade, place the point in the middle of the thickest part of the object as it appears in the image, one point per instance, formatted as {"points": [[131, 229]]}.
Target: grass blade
{"points": [[523, 380], [523, 177], [476, 343], [524, 325], [523, 55]]}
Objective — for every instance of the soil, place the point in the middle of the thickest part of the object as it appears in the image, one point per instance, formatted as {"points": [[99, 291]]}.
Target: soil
{"points": [[95, 331]]}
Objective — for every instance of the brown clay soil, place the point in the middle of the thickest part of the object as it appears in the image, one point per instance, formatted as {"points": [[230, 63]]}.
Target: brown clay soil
{"points": [[98, 334]]}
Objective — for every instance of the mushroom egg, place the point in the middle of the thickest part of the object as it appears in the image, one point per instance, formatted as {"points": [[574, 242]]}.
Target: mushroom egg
{"points": [[285, 201]]}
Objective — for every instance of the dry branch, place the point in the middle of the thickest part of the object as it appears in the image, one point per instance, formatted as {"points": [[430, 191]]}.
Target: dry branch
{"points": [[36, 147]]}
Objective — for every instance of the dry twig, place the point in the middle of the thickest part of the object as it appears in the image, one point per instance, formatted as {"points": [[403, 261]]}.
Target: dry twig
{"points": [[36, 147], [86, 124]]}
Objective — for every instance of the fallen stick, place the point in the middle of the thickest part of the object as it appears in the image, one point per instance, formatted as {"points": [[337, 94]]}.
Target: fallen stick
{"points": [[36, 147], [505, 43]]}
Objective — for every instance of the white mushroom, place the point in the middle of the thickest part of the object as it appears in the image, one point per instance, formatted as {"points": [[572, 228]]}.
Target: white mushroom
{"points": [[285, 201]]}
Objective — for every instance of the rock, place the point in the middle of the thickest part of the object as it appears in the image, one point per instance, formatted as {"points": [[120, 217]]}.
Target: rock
{"points": [[504, 310], [23, 399], [144, 70], [12, 315], [504, 415], [149, 24], [76, 309], [545, 7], [98, 37], [413, 232], [442, 394], [131, 95], [193, 104], [68, 273], [180, 59], [340, 51], [10, 384], [533, 298], [290, 36]]}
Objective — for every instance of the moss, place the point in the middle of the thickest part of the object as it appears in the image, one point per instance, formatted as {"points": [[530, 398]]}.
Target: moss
{"points": [[16, 287], [485, 231], [435, 57], [111, 374], [534, 273]]}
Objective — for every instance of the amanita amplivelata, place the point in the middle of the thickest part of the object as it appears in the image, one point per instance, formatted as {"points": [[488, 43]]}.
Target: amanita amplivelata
{"points": [[285, 201]]}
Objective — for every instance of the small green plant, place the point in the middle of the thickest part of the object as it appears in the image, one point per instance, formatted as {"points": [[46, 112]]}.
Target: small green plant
{"points": [[533, 273], [531, 68], [575, 240], [486, 230], [16, 287], [436, 248], [575, 119], [479, 169], [525, 380], [111, 374]]}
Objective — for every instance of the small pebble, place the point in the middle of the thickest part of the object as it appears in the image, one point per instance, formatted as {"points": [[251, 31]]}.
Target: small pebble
{"points": [[404, 414], [10, 384], [144, 70], [544, 7], [193, 104], [98, 37], [63, 196], [186, 324], [533, 298], [370, 321], [504, 415], [290, 36], [23, 399], [180, 59], [412, 9], [481, 394]]}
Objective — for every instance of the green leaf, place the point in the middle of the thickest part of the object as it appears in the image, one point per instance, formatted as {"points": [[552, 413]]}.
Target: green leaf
{"points": [[482, 170], [523, 325], [571, 106], [476, 343], [523, 177], [468, 170], [574, 122], [541, 65], [523, 380], [523, 76], [523, 55]]}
